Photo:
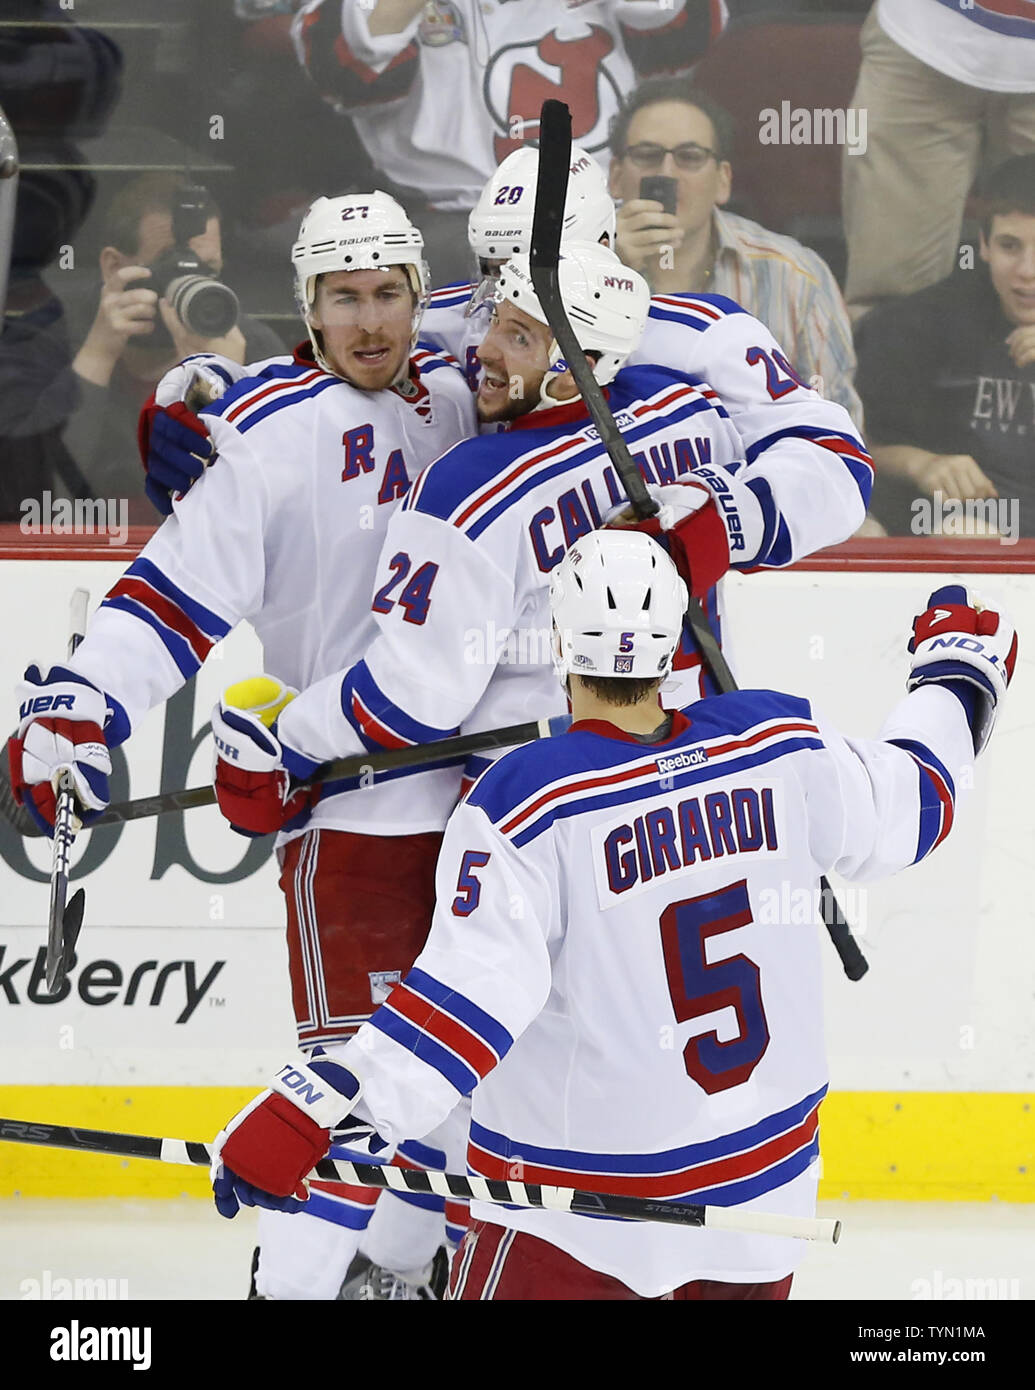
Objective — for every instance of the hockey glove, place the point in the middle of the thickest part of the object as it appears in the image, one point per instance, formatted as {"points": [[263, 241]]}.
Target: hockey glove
{"points": [[264, 1154], [62, 729], [968, 648], [253, 787], [176, 450], [689, 527], [174, 444]]}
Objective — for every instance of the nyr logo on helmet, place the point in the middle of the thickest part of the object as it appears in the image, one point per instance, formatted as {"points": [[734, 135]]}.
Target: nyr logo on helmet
{"points": [[616, 282], [678, 761]]}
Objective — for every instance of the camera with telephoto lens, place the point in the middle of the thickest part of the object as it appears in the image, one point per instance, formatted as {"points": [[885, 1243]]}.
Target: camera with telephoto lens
{"points": [[204, 305]]}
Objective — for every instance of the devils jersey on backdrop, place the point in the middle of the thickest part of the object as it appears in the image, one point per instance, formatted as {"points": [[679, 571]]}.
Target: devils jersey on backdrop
{"points": [[284, 530], [498, 61]]}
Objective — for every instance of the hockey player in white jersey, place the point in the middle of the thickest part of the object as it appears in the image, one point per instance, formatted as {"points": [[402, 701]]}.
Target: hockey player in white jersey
{"points": [[777, 416], [641, 848], [461, 595], [314, 454]]}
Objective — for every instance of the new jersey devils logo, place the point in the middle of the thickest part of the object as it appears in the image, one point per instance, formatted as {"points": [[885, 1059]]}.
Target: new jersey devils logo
{"points": [[515, 90]]}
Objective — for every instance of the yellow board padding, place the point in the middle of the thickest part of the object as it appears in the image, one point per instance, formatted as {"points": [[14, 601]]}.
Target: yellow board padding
{"points": [[909, 1146], [163, 1112], [937, 1146]]}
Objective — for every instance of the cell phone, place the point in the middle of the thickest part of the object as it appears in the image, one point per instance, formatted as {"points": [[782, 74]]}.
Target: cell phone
{"points": [[659, 188]]}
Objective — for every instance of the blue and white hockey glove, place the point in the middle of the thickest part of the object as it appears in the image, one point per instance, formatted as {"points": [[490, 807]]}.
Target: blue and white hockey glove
{"points": [[173, 440], [970, 649], [62, 729], [263, 1156]]}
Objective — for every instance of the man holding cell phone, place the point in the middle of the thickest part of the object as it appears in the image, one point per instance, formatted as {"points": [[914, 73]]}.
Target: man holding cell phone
{"points": [[670, 166]]}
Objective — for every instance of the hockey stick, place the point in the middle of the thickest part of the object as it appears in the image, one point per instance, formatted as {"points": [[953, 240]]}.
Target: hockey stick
{"points": [[64, 922], [358, 765], [551, 189], [509, 1191]]}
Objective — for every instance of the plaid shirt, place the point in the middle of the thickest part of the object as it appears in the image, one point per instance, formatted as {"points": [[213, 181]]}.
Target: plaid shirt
{"points": [[794, 293]]}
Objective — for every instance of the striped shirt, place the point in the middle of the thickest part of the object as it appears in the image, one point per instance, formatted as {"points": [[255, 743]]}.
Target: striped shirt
{"points": [[792, 290]]}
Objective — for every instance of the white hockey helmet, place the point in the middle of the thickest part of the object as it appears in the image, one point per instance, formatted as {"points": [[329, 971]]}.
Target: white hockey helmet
{"points": [[607, 304], [500, 224], [361, 231], [617, 602]]}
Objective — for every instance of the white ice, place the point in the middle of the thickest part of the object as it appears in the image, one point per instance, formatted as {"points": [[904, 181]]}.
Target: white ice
{"points": [[181, 1249]]}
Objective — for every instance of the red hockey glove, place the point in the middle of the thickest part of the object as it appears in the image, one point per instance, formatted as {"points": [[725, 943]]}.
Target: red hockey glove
{"points": [[264, 1154], [253, 786], [689, 527]]}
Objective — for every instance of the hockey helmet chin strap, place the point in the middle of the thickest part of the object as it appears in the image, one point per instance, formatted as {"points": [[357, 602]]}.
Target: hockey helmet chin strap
{"points": [[558, 366]]}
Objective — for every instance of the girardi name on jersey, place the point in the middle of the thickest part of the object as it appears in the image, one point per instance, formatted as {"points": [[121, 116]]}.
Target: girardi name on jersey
{"points": [[682, 834]]}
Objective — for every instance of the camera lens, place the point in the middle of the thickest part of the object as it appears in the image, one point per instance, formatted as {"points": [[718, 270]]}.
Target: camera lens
{"points": [[205, 306]]}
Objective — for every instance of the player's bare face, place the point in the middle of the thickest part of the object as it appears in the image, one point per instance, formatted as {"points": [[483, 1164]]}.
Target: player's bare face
{"points": [[1010, 255], [365, 318], [515, 357]]}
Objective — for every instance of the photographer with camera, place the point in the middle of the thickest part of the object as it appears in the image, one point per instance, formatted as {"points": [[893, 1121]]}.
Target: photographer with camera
{"points": [[161, 300]]}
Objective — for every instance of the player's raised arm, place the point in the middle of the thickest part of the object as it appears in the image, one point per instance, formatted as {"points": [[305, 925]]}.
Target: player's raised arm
{"points": [[883, 804]]}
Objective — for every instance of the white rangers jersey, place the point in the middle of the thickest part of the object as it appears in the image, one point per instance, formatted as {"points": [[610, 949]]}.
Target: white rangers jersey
{"points": [[614, 972], [284, 530], [462, 591], [439, 104], [775, 412]]}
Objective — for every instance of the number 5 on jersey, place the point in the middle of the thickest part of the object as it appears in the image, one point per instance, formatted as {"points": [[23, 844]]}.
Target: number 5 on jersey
{"points": [[698, 987], [415, 597]]}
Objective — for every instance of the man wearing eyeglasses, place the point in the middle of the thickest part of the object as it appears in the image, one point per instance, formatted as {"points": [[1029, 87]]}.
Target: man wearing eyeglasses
{"points": [[668, 128]]}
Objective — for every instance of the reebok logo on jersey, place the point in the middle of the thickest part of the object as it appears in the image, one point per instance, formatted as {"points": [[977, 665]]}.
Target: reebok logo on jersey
{"points": [[678, 761]]}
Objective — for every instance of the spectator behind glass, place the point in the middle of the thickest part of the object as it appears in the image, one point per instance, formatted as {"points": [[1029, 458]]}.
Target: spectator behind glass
{"points": [[135, 337], [947, 376], [440, 92], [59, 83], [943, 87], [667, 127], [38, 391]]}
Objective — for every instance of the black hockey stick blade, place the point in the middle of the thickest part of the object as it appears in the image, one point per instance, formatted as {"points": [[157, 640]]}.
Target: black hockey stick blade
{"points": [[71, 924]]}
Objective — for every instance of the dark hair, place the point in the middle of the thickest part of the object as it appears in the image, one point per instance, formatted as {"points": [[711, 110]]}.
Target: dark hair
{"points": [[621, 690], [146, 194], [659, 89], [1010, 187]]}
